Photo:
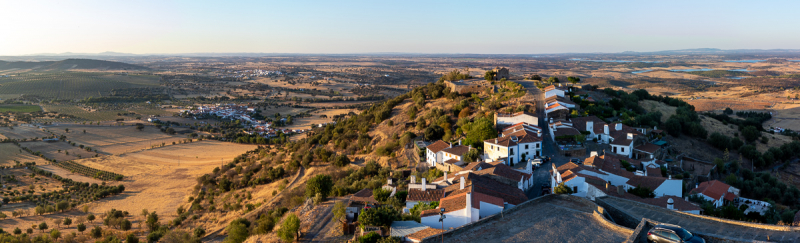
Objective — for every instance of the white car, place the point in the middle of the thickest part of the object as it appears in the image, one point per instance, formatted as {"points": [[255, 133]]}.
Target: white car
{"points": [[536, 162]]}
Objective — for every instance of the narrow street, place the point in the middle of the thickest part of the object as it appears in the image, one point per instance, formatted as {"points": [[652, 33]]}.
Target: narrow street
{"points": [[542, 175]]}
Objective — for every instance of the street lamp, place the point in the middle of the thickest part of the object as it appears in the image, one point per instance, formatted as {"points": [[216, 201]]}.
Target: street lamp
{"points": [[441, 219]]}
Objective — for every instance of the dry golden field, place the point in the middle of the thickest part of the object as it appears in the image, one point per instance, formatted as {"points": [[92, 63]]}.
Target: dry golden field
{"points": [[10, 153], [737, 105], [116, 139], [23, 132], [51, 150]]}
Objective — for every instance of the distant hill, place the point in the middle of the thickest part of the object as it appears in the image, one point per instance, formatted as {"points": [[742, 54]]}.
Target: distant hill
{"points": [[70, 64]]}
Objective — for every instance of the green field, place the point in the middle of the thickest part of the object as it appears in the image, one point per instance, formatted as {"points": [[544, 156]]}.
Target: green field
{"points": [[105, 115], [20, 108], [72, 85]]}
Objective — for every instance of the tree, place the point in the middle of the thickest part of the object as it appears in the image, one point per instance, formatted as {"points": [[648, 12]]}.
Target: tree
{"points": [[750, 133], [381, 194], [58, 222], [321, 184], [290, 229], [382, 216], [237, 232], [673, 127], [573, 80], [43, 226], [17, 231], [471, 156], [131, 238], [371, 237], [90, 217], [489, 75], [96, 232], [562, 189], [466, 112], [339, 211], [727, 111], [139, 126], [81, 227], [434, 132], [341, 161], [179, 236], [55, 234], [152, 221], [481, 129], [642, 192], [125, 224], [67, 222], [536, 77], [553, 79]]}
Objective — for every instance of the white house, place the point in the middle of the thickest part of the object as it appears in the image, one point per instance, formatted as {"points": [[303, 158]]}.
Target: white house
{"points": [[623, 146], [591, 124], [516, 144], [717, 192], [432, 154], [601, 169], [564, 101], [553, 108], [553, 90]]}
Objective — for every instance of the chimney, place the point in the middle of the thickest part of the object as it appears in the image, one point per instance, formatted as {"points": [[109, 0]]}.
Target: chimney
{"points": [[423, 183], [469, 206], [551, 120], [670, 177], [593, 153], [459, 142], [413, 179], [462, 183], [451, 145], [539, 133], [389, 181], [495, 140], [670, 204], [630, 136], [445, 176], [605, 129], [618, 126], [621, 190]]}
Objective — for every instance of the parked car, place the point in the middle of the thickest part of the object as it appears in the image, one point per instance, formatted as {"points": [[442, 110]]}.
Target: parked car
{"points": [[575, 160], [536, 163], [668, 233], [546, 159]]}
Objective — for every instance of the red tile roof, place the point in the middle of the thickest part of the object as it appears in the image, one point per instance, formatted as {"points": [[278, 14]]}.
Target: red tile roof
{"points": [[597, 124], [477, 198], [654, 172], [438, 146], [426, 233], [713, 189], [457, 150], [648, 148], [454, 202], [429, 195], [365, 195]]}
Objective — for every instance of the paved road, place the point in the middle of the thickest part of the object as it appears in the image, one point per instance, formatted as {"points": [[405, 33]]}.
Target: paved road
{"points": [[542, 175]]}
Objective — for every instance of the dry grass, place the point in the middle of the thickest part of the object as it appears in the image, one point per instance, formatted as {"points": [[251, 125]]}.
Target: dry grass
{"points": [[23, 132], [651, 106], [738, 105], [51, 150], [10, 153], [116, 139]]}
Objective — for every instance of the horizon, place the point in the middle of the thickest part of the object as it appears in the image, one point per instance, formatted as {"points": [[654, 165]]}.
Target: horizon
{"points": [[361, 27]]}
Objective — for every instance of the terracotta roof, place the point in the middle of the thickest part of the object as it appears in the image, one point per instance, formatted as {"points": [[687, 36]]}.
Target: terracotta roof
{"points": [[476, 166], [556, 105], [365, 195], [558, 99], [610, 163], [423, 234], [580, 124], [429, 195], [452, 161], [713, 189], [504, 171], [654, 172], [457, 150], [429, 212], [622, 141], [552, 87], [477, 198], [522, 136], [614, 133], [483, 184], [438, 146], [648, 148], [566, 131], [453, 202], [646, 181]]}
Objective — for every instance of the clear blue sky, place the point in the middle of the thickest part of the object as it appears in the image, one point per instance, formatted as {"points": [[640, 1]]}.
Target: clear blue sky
{"points": [[501, 27]]}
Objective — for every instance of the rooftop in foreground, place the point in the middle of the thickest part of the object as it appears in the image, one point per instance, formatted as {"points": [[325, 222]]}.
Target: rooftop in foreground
{"points": [[700, 224], [555, 218]]}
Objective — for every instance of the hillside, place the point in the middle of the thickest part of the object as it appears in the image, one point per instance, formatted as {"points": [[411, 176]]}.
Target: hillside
{"points": [[68, 64]]}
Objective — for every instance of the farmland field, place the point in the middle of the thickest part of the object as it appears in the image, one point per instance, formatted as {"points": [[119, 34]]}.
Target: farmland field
{"points": [[10, 153], [20, 108], [737, 105], [155, 181], [23, 132], [115, 139], [82, 115], [72, 85], [51, 150]]}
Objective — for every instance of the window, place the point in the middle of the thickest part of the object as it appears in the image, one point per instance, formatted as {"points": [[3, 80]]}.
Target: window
{"points": [[537, 145], [575, 189], [622, 149], [526, 146], [511, 151]]}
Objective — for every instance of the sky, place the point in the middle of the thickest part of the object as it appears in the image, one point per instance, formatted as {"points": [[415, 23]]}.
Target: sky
{"points": [[431, 26]]}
